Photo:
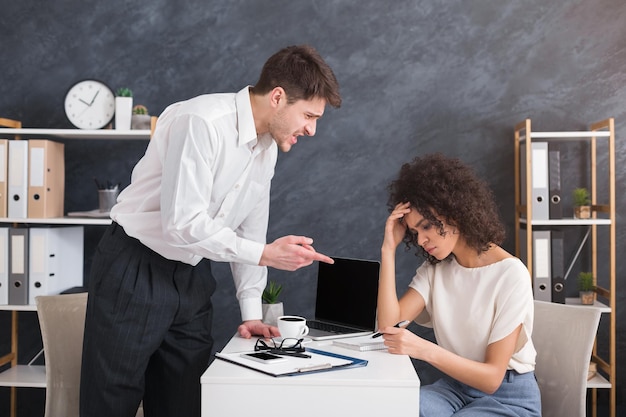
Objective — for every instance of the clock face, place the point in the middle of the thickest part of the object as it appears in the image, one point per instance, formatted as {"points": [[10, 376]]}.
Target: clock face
{"points": [[90, 104]]}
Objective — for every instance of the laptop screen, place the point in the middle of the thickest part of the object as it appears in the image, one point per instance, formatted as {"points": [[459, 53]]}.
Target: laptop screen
{"points": [[347, 292]]}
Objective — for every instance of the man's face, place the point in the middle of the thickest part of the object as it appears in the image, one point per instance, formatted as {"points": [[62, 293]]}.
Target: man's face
{"points": [[293, 120]]}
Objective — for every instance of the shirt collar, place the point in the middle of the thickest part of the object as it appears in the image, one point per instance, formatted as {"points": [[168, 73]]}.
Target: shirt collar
{"points": [[247, 128]]}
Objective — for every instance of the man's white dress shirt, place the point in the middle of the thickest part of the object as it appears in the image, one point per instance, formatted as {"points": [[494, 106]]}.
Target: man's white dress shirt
{"points": [[202, 190]]}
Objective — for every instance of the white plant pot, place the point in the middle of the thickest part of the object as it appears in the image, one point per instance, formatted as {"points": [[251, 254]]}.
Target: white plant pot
{"points": [[140, 121], [123, 112], [271, 312]]}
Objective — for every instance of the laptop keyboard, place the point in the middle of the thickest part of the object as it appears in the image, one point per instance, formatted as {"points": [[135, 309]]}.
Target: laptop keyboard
{"points": [[327, 327]]}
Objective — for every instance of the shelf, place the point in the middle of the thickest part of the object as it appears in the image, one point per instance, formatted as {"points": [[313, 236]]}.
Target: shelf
{"points": [[33, 376], [14, 307], [598, 381], [568, 222], [601, 229], [567, 135], [86, 221], [80, 134], [575, 301]]}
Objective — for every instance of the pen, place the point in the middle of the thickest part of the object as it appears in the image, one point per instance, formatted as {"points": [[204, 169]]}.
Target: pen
{"points": [[402, 323], [315, 367]]}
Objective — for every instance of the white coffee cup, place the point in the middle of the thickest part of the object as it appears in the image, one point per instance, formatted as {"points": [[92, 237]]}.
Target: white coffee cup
{"points": [[292, 327]]}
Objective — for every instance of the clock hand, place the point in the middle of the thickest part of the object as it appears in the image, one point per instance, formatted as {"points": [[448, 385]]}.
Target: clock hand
{"points": [[94, 97], [80, 99], [84, 111]]}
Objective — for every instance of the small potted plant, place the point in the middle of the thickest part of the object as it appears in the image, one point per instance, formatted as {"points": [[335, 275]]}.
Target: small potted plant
{"points": [[582, 209], [141, 118], [586, 288], [272, 308], [123, 108], [124, 92]]}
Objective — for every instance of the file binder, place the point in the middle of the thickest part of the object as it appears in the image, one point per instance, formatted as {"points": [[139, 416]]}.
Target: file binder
{"points": [[558, 267], [18, 266], [18, 179], [4, 265], [539, 180], [542, 281], [55, 261], [4, 151], [46, 180], [554, 164]]}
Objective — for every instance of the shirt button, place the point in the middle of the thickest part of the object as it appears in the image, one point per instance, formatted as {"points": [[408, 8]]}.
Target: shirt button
{"points": [[221, 215], [236, 186]]}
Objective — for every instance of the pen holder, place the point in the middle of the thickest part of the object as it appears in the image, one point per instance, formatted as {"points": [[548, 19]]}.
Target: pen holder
{"points": [[107, 199]]}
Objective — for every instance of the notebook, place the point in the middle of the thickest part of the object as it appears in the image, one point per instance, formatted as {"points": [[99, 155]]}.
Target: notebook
{"points": [[345, 304], [362, 343]]}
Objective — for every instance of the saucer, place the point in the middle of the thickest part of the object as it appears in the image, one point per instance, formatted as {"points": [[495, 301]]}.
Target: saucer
{"points": [[279, 339]]}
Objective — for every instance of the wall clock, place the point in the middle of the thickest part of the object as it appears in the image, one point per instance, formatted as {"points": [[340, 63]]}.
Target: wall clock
{"points": [[90, 104]]}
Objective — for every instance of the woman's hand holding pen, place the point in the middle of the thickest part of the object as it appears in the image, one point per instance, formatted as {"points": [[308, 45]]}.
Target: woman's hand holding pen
{"points": [[401, 341], [400, 324]]}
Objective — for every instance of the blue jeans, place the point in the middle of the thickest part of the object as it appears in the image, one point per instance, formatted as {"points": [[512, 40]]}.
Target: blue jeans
{"points": [[518, 396]]}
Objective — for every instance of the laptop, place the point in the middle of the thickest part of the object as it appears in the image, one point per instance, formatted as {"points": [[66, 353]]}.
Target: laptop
{"points": [[345, 304]]}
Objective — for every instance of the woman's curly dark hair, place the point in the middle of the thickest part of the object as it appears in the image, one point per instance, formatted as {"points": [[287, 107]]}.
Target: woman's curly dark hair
{"points": [[438, 186]]}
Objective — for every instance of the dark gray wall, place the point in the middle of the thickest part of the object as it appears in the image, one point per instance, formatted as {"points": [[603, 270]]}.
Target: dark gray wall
{"points": [[416, 76]]}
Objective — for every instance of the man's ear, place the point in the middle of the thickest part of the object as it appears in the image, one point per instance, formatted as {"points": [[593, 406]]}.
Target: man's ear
{"points": [[276, 96]]}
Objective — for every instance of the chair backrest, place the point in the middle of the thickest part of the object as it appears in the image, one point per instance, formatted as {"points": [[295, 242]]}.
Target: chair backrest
{"points": [[62, 322], [563, 336]]}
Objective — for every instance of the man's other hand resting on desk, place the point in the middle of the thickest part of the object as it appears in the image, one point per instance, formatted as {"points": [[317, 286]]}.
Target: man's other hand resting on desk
{"points": [[257, 328]]}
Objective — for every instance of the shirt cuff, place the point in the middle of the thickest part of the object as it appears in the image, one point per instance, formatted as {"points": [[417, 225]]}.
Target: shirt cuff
{"points": [[251, 309], [250, 251]]}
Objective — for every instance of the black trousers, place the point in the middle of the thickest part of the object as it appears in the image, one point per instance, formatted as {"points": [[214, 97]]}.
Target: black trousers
{"points": [[147, 331]]}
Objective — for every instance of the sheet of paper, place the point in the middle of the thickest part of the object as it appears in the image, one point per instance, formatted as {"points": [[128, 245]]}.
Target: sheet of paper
{"points": [[317, 362]]}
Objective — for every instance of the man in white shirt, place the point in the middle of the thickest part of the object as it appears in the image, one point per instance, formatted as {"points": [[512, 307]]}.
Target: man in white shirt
{"points": [[201, 193]]}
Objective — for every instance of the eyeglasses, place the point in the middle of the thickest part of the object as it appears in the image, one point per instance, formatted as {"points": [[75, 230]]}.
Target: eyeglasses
{"points": [[286, 347]]}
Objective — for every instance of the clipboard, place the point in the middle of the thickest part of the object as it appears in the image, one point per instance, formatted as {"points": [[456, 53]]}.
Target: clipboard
{"points": [[320, 361]]}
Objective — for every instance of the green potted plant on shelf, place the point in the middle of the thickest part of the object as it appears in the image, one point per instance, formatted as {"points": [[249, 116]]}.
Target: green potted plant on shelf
{"points": [[272, 308], [582, 208], [141, 118], [124, 92], [123, 108], [586, 288]]}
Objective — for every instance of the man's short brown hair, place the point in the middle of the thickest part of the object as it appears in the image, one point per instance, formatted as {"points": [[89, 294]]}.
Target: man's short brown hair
{"points": [[302, 73]]}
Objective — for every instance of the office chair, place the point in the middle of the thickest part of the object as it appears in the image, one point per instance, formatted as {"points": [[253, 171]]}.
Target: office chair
{"points": [[563, 336], [62, 323]]}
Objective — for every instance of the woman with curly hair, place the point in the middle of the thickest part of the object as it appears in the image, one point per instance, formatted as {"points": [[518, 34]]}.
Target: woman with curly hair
{"points": [[475, 295]]}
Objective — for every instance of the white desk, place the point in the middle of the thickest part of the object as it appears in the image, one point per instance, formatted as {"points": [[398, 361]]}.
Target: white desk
{"points": [[388, 385]]}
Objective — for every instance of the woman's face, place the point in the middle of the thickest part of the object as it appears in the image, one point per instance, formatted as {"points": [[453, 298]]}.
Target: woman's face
{"points": [[429, 236]]}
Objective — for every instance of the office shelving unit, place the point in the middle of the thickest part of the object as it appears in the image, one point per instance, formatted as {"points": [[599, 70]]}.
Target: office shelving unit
{"points": [[603, 216], [34, 376]]}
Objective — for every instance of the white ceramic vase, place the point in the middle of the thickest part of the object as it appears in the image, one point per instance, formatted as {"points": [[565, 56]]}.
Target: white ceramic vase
{"points": [[271, 312], [123, 112]]}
